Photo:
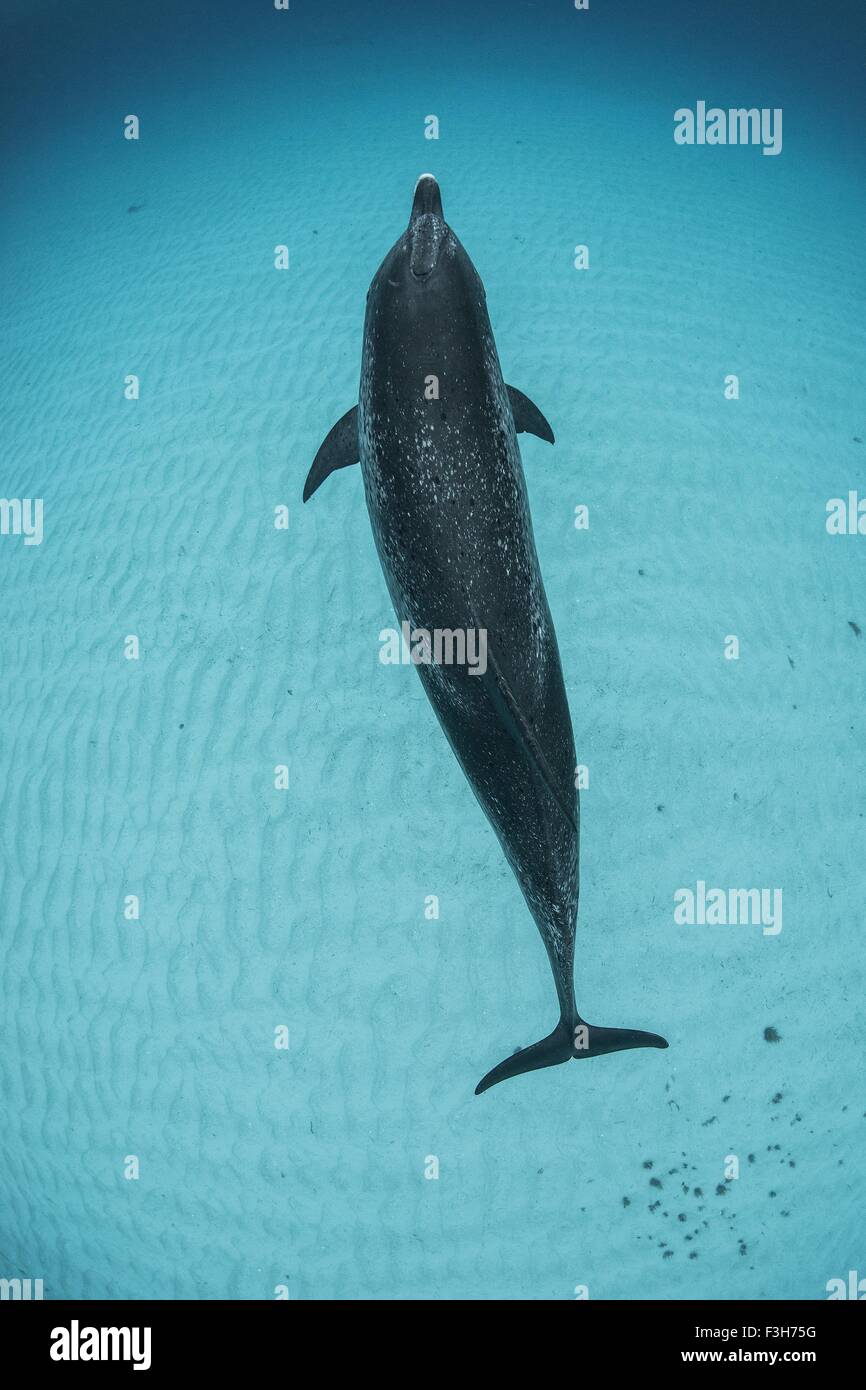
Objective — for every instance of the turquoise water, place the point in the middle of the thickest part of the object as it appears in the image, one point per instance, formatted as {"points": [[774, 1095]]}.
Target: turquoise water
{"points": [[304, 1167]]}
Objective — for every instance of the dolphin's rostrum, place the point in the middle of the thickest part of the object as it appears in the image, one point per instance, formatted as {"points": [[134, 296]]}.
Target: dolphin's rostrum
{"points": [[435, 431]]}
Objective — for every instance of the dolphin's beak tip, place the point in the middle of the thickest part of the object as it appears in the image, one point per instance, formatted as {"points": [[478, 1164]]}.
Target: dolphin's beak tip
{"points": [[427, 197]]}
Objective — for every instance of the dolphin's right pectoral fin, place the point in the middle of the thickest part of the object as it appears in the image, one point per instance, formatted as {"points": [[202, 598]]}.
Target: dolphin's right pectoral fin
{"points": [[338, 449], [528, 419]]}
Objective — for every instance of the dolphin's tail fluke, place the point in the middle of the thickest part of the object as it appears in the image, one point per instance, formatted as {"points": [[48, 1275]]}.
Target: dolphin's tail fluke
{"points": [[577, 1039], [555, 1048]]}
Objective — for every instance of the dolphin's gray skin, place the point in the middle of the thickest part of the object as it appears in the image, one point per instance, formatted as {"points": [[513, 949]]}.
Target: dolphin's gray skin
{"points": [[448, 504]]}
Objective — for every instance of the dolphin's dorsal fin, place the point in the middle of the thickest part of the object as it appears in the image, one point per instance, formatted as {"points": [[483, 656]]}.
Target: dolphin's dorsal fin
{"points": [[524, 734], [338, 449], [528, 419]]}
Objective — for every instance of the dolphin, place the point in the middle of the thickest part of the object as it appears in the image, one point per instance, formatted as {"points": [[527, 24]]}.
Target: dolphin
{"points": [[435, 432]]}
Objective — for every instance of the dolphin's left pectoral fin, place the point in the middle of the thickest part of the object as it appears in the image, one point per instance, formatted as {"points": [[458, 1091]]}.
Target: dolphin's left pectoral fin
{"points": [[338, 449], [528, 419]]}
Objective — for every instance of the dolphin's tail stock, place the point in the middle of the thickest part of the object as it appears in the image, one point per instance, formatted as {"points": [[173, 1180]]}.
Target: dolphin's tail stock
{"points": [[577, 1039]]}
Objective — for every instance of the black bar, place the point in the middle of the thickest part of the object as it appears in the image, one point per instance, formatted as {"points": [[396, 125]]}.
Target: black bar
{"points": [[268, 1338]]}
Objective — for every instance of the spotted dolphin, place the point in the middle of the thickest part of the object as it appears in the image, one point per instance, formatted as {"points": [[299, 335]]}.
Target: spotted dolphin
{"points": [[435, 432]]}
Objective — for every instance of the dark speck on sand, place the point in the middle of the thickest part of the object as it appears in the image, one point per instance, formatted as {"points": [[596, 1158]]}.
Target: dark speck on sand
{"points": [[854, 628], [770, 1035]]}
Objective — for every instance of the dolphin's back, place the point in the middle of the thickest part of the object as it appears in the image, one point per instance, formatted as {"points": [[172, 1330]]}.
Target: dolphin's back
{"points": [[442, 471], [450, 515]]}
